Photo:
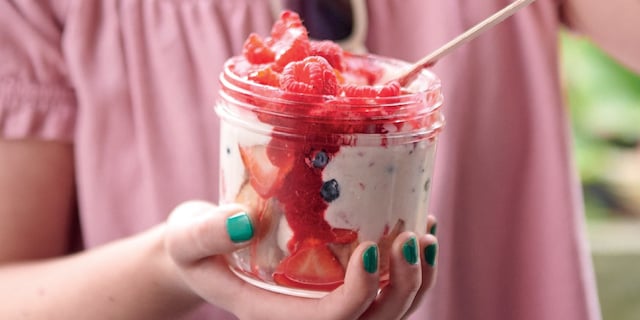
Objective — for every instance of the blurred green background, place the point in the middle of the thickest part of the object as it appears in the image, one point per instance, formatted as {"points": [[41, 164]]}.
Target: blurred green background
{"points": [[604, 102]]}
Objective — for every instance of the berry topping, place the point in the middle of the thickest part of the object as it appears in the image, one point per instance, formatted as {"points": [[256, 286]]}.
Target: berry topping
{"points": [[330, 51], [256, 51], [319, 159], [365, 91], [330, 190], [312, 265], [289, 40], [320, 98], [288, 20], [289, 50], [313, 75]]}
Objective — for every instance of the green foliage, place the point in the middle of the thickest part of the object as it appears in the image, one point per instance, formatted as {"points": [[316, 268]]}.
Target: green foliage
{"points": [[604, 101]]}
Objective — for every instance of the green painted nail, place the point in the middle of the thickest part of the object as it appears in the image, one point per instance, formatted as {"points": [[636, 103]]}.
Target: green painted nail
{"points": [[430, 254], [239, 227], [370, 259], [409, 251], [433, 229]]}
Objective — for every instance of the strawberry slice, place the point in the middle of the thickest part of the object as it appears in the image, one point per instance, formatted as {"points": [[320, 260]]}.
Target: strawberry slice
{"points": [[344, 235], [264, 177], [312, 266], [344, 242], [264, 208], [264, 250], [265, 253]]}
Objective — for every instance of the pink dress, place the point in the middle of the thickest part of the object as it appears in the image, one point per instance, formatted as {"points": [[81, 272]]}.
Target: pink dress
{"points": [[132, 85]]}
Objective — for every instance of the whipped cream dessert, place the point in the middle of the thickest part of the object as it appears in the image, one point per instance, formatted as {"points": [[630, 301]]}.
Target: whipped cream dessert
{"points": [[324, 155]]}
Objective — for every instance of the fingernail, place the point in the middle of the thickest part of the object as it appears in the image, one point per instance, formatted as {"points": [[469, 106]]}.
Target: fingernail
{"points": [[409, 251], [433, 229], [370, 259], [430, 254], [239, 227]]}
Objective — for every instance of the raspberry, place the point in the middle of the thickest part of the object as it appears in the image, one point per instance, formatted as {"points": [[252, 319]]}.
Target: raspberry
{"points": [[330, 51], [358, 91], [313, 75], [256, 51], [289, 50], [289, 40], [265, 76], [288, 20], [391, 89]]}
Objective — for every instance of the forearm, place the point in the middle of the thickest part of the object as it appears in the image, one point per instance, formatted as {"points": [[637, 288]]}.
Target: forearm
{"points": [[127, 279], [612, 25]]}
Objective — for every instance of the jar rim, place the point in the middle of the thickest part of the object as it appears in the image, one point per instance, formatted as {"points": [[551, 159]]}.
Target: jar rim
{"points": [[412, 113], [426, 82]]}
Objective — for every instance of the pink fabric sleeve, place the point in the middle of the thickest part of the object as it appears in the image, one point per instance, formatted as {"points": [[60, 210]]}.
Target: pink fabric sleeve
{"points": [[36, 98]]}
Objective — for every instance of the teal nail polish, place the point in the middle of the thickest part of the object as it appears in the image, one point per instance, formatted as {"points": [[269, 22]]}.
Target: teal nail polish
{"points": [[430, 254], [433, 229], [370, 259], [239, 227], [409, 251]]}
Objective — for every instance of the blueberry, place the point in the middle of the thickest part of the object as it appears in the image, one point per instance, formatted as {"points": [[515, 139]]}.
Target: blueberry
{"points": [[330, 190], [320, 159]]}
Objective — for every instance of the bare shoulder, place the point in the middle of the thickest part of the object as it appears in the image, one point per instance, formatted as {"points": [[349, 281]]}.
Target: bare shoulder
{"points": [[36, 199], [613, 25]]}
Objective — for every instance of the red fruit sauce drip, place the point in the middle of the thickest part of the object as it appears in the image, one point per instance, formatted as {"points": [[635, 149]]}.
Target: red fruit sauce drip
{"points": [[300, 195]]}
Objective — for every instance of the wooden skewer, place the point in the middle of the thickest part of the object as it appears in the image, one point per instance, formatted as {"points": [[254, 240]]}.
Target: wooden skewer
{"points": [[410, 74]]}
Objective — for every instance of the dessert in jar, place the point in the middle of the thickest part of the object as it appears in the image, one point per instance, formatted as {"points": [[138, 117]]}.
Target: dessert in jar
{"points": [[324, 155]]}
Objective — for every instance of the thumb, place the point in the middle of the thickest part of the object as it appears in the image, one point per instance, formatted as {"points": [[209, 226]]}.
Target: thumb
{"points": [[198, 229]]}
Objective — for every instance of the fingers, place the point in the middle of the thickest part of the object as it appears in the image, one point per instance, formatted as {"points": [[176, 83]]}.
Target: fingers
{"points": [[412, 273], [360, 288], [432, 225], [405, 277], [429, 261], [198, 229], [348, 301], [429, 247]]}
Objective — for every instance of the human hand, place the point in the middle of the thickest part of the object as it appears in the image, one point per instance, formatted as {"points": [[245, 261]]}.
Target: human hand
{"points": [[196, 239]]}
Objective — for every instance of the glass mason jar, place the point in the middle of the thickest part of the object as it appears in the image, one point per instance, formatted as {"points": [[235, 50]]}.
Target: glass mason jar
{"points": [[324, 173]]}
